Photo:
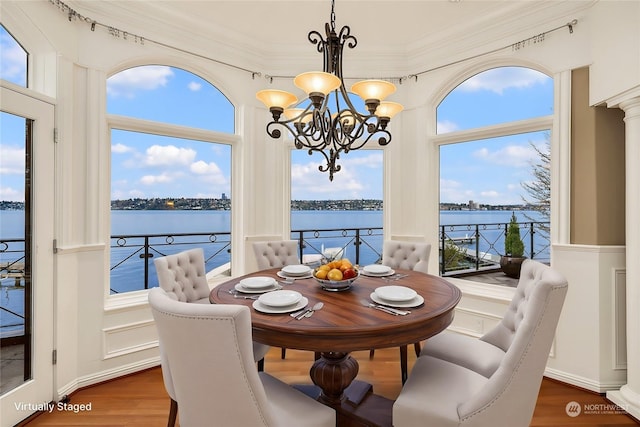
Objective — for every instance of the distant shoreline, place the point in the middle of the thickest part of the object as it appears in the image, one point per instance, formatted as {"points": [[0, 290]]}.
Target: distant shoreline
{"points": [[189, 204]]}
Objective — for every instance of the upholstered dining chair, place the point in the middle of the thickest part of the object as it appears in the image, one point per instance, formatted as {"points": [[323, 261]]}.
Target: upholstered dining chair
{"points": [[208, 349], [183, 277], [273, 254], [277, 253], [494, 380], [408, 256]]}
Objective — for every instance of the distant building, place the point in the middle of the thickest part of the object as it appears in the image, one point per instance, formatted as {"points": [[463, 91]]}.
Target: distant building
{"points": [[224, 196], [473, 205]]}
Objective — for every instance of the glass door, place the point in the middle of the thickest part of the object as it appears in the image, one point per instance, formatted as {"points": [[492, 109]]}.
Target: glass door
{"points": [[26, 254]]}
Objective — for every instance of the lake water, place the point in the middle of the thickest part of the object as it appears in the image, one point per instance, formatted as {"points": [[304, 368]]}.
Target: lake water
{"points": [[128, 270]]}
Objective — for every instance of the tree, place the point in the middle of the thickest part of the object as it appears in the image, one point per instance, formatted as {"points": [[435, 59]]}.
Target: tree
{"points": [[513, 245], [539, 189]]}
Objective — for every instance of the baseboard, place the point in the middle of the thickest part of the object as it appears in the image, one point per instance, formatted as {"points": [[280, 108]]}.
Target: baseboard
{"points": [[107, 375], [630, 404], [582, 382]]}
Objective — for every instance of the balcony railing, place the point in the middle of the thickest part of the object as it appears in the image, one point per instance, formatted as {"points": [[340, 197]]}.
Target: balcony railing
{"points": [[361, 245], [128, 250], [12, 275], [465, 248]]}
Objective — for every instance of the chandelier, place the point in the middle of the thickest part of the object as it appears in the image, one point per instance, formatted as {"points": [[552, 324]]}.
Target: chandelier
{"points": [[327, 121]]}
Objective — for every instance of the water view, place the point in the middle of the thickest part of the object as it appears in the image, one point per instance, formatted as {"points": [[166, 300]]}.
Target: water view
{"points": [[139, 235]]}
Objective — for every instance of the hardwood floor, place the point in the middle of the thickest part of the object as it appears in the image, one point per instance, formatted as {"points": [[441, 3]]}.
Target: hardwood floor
{"points": [[140, 399]]}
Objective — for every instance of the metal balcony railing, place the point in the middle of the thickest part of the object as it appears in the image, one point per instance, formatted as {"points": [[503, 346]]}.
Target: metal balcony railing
{"points": [[12, 274], [468, 248], [128, 250], [463, 249]]}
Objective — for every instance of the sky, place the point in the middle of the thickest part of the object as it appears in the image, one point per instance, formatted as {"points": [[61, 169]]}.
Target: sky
{"points": [[145, 166]]}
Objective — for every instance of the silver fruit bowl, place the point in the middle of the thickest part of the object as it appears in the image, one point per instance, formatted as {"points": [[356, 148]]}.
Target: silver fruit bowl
{"points": [[336, 285]]}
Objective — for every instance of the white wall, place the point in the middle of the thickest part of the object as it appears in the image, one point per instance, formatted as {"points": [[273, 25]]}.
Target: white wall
{"points": [[590, 348], [615, 49]]}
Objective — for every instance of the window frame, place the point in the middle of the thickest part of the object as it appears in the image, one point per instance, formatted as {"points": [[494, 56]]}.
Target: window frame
{"points": [[133, 124], [550, 123]]}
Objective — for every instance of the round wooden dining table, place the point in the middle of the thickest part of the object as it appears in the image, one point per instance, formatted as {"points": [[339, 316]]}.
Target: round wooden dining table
{"points": [[345, 324]]}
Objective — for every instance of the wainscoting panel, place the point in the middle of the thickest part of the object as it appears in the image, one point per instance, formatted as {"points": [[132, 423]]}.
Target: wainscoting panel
{"points": [[619, 313], [130, 338]]}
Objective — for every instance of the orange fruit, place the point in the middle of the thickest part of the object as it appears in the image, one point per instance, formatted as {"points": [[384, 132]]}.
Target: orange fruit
{"points": [[322, 273], [345, 265], [334, 274]]}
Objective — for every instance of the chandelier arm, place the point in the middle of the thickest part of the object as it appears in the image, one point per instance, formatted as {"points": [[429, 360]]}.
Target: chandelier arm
{"points": [[345, 95], [345, 36], [317, 40]]}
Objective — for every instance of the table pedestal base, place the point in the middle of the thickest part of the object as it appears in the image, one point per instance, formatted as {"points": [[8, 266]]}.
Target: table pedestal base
{"points": [[333, 372], [359, 408], [355, 404]]}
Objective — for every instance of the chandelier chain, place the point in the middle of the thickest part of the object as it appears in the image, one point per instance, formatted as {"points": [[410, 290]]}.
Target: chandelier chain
{"points": [[333, 15]]}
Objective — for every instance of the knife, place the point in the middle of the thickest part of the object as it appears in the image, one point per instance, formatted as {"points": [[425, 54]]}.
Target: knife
{"points": [[384, 308]]}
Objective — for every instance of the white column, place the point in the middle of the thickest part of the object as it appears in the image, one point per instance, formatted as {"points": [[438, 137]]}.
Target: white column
{"points": [[628, 396]]}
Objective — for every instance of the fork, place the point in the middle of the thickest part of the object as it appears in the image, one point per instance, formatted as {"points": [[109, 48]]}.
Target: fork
{"points": [[245, 296], [395, 277]]}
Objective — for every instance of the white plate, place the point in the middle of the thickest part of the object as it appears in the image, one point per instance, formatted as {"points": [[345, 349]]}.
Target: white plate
{"points": [[415, 302], [257, 282], [376, 269], [396, 293], [244, 290], [258, 306], [280, 298], [296, 270], [388, 273], [286, 276]]}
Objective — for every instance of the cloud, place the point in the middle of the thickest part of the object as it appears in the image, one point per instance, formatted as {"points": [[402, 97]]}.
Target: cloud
{"points": [[128, 82], [194, 86], [128, 194], [371, 160], [11, 160], [512, 155], [449, 183], [120, 148], [499, 79], [490, 194], [156, 179], [446, 126], [13, 60], [11, 194], [208, 172], [168, 155], [203, 168], [452, 191], [307, 182]]}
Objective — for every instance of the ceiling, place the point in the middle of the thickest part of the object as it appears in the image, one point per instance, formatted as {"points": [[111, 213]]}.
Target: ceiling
{"points": [[269, 31]]}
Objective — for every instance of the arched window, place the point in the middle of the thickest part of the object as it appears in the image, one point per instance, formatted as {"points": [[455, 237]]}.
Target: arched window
{"points": [[13, 59], [494, 138], [171, 136]]}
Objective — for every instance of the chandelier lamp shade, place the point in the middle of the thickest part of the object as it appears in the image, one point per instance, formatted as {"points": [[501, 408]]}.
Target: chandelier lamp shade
{"points": [[326, 121]]}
